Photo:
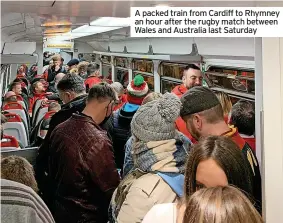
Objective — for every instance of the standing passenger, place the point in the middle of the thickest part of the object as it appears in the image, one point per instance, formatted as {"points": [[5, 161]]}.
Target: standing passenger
{"points": [[72, 92], [160, 153], [82, 168], [122, 97], [214, 161], [203, 115], [137, 91], [243, 117], [93, 76], [191, 77]]}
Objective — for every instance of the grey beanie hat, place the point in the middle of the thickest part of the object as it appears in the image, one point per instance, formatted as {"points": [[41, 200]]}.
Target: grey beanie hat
{"points": [[155, 120], [198, 99]]}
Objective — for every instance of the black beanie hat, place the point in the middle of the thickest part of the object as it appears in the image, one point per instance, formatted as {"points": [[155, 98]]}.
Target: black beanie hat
{"points": [[198, 99]]}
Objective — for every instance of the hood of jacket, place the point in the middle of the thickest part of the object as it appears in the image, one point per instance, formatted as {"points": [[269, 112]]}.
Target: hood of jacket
{"points": [[126, 114], [180, 90]]}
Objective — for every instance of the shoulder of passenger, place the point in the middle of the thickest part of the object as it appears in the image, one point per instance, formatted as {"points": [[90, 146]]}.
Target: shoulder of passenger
{"points": [[150, 183]]}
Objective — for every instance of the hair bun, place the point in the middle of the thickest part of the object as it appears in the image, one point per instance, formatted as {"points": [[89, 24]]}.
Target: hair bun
{"points": [[169, 106]]}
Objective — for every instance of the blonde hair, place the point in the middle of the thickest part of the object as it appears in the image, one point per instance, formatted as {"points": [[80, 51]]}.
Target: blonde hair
{"points": [[74, 71], [56, 57], [82, 65], [151, 97], [18, 169], [225, 102], [221, 205]]}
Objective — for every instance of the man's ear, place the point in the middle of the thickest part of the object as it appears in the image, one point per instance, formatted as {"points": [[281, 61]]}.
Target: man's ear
{"points": [[198, 121]]}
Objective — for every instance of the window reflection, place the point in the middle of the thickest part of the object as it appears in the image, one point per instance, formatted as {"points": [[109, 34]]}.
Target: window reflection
{"points": [[143, 65], [233, 79], [168, 86], [107, 72], [106, 59], [122, 76], [173, 70], [121, 62], [148, 79]]}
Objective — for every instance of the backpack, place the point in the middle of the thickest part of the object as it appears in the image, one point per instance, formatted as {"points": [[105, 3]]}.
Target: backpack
{"points": [[174, 180]]}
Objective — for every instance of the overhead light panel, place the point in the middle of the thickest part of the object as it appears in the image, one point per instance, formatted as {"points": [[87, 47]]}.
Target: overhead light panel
{"points": [[111, 21], [100, 25]]}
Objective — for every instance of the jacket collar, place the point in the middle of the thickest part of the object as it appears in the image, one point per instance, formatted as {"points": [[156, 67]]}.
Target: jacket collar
{"points": [[85, 118], [75, 101]]}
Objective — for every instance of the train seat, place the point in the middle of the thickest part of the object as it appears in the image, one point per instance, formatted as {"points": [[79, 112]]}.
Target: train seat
{"points": [[15, 107], [15, 127], [29, 153]]}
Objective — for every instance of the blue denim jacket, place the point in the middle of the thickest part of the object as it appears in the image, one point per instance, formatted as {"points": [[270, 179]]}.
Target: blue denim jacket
{"points": [[129, 162]]}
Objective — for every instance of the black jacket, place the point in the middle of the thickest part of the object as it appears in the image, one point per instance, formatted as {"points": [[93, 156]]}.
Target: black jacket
{"points": [[121, 122], [52, 73]]}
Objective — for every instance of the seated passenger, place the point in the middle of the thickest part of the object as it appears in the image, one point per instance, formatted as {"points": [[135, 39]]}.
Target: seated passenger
{"points": [[32, 71], [203, 115], [38, 92], [18, 169], [21, 204], [243, 117], [22, 71], [11, 139], [225, 103], [80, 146], [226, 204], [93, 76], [128, 161], [160, 153], [192, 76], [17, 87], [10, 96], [119, 89], [137, 90]]}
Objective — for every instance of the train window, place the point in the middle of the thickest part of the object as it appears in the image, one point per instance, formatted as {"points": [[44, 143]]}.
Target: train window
{"points": [[148, 79], [121, 62], [168, 85], [143, 66], [173, 70], [106, 59], [107, 71], [232, 78]]}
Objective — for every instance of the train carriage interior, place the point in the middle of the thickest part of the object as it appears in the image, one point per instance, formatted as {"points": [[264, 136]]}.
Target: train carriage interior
{"points": [[44, 42]]}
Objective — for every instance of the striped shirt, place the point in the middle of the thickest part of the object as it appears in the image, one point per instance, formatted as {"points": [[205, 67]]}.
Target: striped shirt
{"points": [[20, 204]]}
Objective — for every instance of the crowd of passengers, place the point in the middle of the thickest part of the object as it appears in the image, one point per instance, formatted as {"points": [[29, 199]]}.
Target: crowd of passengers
{"points": [[111, 154]]}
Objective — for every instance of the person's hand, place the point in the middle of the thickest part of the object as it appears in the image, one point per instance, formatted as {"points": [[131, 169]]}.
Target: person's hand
{"points": [[57, 67]]}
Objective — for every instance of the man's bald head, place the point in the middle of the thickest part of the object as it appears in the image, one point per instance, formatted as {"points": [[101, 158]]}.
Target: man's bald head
{"points": [[59, 77]]}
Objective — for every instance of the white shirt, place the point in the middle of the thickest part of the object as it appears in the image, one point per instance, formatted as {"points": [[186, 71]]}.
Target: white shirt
{"points": [[165, 213]]}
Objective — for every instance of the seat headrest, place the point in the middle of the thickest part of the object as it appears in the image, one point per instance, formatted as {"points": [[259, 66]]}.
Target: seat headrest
{"points": [[12, 105], [13, 117]]}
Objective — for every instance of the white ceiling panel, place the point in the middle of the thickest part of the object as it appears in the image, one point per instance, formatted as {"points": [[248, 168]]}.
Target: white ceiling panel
{"points": [[9, 30], [11, 19], [20, 48]]}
